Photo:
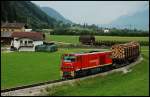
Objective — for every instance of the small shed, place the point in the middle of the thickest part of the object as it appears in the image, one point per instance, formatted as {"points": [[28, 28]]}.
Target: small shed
{"points": [[87, 39], [46, 48]]}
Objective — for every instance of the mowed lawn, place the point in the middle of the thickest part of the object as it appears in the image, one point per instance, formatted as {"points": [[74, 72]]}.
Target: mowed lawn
{"points": [[134, 83], [75, 39], [22, 68]]}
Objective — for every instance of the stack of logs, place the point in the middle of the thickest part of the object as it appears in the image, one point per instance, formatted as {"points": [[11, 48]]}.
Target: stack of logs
{"points": [[125, 51]]}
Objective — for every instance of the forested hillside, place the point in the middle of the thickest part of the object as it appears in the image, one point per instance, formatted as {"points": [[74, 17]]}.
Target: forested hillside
{"points": [[26, 12]]}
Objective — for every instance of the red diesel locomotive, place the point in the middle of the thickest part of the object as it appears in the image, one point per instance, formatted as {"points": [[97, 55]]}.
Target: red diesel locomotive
{"points": [[81, 64]]}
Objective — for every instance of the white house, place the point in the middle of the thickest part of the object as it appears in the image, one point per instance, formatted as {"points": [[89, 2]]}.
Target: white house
{"points": [[26, 41], [106, 30]]}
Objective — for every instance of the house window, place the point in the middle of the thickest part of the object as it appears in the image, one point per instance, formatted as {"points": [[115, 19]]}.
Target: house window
{"points": [[25, 42], [21, 41], [30, 42]]}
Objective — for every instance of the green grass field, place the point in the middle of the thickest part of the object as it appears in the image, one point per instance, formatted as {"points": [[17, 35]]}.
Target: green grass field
{"points": [[135, 83], [75, 39], [22, 68]]}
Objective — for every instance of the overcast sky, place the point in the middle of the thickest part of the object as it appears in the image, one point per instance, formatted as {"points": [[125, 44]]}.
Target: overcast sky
{"points": [[93, 12]]}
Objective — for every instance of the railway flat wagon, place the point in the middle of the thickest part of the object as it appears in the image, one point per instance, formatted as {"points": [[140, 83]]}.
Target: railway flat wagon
{"points": [[80, 64], [125, 53]]}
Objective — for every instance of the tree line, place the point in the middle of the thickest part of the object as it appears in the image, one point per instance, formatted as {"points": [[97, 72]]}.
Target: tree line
{"points": [[112, 32]]}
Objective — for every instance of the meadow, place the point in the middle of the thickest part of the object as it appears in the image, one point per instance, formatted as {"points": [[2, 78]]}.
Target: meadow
{"points": [[22, 68], [134, 83], [75, 39]]}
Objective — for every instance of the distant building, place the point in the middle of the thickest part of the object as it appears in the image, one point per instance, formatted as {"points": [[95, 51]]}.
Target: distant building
{"points": [[8, 28], [13, 27], [26, 41], [106, 30], [6, 38]]}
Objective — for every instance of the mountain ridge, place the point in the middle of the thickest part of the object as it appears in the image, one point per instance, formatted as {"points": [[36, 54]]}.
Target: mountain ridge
{"points": [[53, 13], [138, 20]]}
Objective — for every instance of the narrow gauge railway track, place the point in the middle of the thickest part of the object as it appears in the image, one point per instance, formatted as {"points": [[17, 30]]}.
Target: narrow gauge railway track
{"points": [[54, 81]]}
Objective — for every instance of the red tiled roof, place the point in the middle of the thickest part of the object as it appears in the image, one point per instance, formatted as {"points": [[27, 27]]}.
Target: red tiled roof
{"points": [[30, 35]]}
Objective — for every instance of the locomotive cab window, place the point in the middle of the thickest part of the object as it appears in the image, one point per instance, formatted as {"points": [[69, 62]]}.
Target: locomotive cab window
{"points": [[69, 58]]}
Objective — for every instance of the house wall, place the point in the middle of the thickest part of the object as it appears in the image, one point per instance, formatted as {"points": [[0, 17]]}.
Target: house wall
{"points": [[16, 43], [37, 43]]}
